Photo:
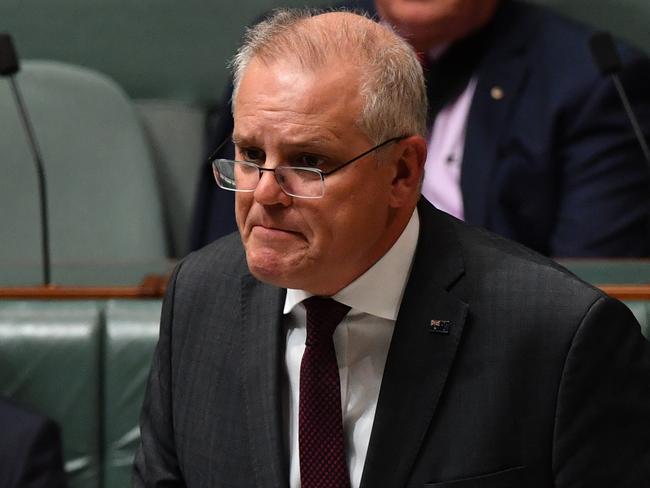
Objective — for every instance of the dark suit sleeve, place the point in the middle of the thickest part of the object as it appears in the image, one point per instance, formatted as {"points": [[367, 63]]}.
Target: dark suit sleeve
{"points": [[602, 429], [43, 466], [156, 462], [603, 207], [30, 450]]}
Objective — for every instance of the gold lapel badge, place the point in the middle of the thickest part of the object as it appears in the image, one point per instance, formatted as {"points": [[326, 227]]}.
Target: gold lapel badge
{"points": [[497, 93]]}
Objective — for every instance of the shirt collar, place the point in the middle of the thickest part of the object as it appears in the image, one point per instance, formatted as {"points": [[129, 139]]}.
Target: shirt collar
{"points": [[392, 271]]}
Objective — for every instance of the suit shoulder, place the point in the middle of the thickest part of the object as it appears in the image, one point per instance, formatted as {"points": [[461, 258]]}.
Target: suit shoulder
{"points": [[30, 446], [23, 429], [22, 422], [525, 271]]}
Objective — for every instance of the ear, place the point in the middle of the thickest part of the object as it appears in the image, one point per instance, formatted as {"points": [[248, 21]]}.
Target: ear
{"points": [[411, 154]]}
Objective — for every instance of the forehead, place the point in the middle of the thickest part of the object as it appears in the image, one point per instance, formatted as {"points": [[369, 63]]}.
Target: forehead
{"points": [[289, 100]]}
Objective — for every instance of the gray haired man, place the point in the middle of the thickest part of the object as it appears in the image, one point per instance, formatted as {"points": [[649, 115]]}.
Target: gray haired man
{"points": [[353, 335]]}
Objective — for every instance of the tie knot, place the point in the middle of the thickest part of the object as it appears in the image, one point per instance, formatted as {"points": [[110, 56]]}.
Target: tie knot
{"points": [[323, 315]]}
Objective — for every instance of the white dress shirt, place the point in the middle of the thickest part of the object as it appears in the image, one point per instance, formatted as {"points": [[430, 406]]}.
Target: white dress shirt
{"points": [[361, 341], [441, 185]]}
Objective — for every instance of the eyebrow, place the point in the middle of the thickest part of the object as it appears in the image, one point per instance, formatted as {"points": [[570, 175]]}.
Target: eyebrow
{"points": [[235, 140], [309, 142]]}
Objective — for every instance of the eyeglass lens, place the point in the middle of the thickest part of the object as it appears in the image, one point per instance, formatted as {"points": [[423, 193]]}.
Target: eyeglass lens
{"points": [[244, 176]]}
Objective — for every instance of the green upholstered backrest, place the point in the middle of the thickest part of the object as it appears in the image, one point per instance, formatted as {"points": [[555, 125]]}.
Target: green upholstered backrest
{"points": [[176, 133], [610, 271], [130, 338], [50, 360], [104, 202]]}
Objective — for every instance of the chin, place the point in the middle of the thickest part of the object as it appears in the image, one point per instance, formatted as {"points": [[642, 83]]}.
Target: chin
{"points": [[268, 267], [265, 275]]}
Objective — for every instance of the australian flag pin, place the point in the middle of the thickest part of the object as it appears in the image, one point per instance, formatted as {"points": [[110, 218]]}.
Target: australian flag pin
{"points": [[439, 326]]}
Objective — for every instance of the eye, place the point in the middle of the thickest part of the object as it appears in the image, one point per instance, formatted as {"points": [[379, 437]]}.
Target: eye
{"points": [[310, 161], [252, 155]]}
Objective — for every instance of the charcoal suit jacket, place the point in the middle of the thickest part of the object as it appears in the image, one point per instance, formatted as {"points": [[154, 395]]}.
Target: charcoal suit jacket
{"points": [[550, 158], [504, 370]]}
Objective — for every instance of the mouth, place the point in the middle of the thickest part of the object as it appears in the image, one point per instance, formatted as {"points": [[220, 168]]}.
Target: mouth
{"points": [[271, 232]]}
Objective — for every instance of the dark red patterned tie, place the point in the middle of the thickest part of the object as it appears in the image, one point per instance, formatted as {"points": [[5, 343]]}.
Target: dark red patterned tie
{"points": [[322, 448]]}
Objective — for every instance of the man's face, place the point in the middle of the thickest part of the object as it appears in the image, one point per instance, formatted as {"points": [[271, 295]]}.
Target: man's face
{"points": [[286, 115], [426, 23]]}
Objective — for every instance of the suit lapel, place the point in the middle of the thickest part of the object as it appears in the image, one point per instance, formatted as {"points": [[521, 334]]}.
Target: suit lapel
{"points": [[420, 358], [263, 343], [501, 73]]}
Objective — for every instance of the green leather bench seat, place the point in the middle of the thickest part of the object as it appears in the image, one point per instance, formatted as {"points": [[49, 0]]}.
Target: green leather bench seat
{"points": [[50, 359], [610, 271], [131, 335], [84, 364]]}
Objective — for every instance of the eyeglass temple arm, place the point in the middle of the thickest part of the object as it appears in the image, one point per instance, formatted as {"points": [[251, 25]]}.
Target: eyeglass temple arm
{"points": [[213, 154], [388, 141]]}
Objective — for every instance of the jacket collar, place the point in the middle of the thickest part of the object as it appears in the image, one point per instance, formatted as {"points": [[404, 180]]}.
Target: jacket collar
{"points": [[424, 344], [501, 73], [263, 346]]}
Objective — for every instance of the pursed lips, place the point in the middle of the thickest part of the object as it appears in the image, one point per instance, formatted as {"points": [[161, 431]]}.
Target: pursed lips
{"points": [[273, 231]]}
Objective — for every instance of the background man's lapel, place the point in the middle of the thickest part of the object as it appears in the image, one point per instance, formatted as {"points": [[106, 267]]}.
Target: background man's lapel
{"points": [[263, 344], [501, 74], [422, 350]]}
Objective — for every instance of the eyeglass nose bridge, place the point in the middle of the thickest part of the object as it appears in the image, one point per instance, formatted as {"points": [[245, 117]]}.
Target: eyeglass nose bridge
{"points": [[282, 175], [276, 176]]}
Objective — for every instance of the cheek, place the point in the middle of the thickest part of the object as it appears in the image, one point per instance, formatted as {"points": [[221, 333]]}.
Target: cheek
{"points": [[355, 224], [243, 202]]}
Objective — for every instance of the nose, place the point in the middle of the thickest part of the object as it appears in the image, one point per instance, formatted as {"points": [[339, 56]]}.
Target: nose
{"points": [[268, 191]]}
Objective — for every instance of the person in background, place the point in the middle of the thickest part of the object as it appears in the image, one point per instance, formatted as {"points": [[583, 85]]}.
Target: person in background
{"points": [[30, 449], [352, 335], [526, 137]]}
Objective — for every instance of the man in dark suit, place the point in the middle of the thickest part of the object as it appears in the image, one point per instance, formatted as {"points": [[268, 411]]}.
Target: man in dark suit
{"points": [[460, 359], [544, 153], [30, 449]]}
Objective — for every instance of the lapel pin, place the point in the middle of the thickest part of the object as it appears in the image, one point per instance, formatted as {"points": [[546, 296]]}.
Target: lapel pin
{"points": [[439, 326], [496, 93]]}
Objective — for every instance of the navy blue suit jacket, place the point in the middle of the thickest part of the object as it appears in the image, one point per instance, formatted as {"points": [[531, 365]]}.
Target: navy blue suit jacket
{"points": [[553, 164], [30, 449]]}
